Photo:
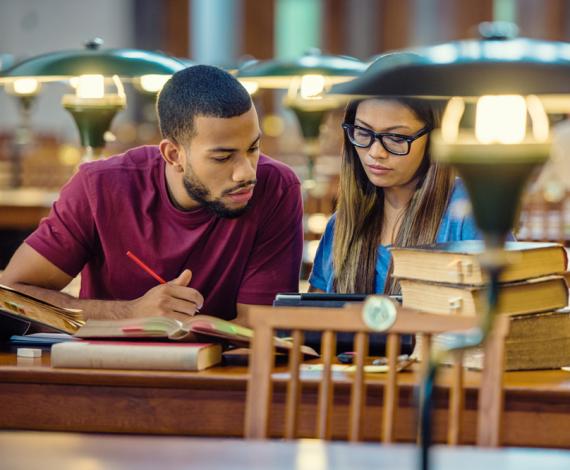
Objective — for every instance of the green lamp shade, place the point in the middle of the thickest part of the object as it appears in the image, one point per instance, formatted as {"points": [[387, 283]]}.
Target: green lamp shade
{"points": [[126, 63], [280, 73], [468, 68], [93, 116]]}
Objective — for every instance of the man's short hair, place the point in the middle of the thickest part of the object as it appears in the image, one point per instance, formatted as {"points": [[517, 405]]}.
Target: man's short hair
{"points": [[200, 90]]}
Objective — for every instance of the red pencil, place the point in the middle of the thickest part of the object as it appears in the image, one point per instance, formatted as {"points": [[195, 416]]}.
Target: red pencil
{"points": [[145, 267]]}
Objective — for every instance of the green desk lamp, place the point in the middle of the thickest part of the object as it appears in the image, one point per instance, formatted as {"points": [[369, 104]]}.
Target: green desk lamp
{"points": [[494, 132], [307, 81], [97, 75]]}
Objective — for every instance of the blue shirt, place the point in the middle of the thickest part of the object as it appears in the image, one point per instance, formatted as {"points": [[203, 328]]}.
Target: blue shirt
{"points": [[457, 223]]}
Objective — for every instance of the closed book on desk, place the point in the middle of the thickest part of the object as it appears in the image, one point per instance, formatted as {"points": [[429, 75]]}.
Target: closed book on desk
{"points": [[515, 298], [535, 341], [135, 355], [21, 313], [458, 262]]}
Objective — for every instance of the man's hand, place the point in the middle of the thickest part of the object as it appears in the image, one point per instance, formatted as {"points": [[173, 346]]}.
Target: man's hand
{"points": [[173, 299]]}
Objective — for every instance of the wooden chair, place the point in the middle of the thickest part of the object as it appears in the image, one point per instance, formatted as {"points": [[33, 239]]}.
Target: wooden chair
{"points": [[264, 320]]}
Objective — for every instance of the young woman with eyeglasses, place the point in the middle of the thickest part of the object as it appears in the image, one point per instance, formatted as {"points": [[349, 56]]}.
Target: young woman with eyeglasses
{"points": [[391, 193]]}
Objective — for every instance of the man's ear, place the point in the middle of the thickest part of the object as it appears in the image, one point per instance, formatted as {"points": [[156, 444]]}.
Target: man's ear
{"points": [[171, 152]]}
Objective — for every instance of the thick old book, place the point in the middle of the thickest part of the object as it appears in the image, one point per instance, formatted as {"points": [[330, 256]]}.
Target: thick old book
{"points": [[515, 298], [21, 313], [135, 355], [536, 341], [191, 330], [540, 341], [459, 262]]}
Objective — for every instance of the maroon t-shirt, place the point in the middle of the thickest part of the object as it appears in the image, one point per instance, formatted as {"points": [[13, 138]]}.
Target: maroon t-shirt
{"points": [[119, 204]]}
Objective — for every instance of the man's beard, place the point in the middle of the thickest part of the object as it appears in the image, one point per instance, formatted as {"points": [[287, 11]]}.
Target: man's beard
{"points": [[197, 191]]}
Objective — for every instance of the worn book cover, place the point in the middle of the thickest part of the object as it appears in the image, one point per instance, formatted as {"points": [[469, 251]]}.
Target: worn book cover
{"points": [[537, 341], [135, 355], [515, 298], [21, 313], [459, 262]]}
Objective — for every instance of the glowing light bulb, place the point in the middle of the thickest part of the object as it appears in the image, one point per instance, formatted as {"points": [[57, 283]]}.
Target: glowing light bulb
{"points": [[25, 86], [90, 86], [501, 119], [153, 83], [312, 86]]}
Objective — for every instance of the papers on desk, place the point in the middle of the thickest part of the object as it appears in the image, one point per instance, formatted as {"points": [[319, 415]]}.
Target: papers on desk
{"points": [[315, 371], [42, 339]]}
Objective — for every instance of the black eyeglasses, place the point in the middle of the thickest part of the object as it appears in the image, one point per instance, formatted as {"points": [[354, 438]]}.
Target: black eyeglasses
{"points": [[396, 144]]}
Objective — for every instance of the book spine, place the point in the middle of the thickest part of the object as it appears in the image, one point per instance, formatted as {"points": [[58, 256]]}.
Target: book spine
{"points": [[105, 356]]}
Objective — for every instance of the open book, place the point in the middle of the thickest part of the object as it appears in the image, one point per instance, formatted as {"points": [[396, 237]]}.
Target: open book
{"points": [[21, 312], [172, 329]]}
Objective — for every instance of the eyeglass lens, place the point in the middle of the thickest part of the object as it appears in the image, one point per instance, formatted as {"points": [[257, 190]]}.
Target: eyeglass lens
{"points": [[365, 138]]}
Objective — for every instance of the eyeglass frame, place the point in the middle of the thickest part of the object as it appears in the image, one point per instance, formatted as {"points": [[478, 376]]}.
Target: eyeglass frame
{"points": [[379, 137]]}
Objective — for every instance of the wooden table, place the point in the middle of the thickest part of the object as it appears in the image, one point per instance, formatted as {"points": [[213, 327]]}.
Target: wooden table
{"points": [[29, 450], [22, 209], [33, 396]]}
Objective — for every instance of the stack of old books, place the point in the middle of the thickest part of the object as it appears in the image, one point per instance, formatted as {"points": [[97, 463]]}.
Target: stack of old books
{"points": [[448, 279]]}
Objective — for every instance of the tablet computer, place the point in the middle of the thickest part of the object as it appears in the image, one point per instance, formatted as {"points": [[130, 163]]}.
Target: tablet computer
{"points": [[344, 341]]}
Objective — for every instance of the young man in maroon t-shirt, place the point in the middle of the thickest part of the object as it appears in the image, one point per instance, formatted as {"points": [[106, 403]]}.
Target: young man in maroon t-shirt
{"points": [[204, 209]]}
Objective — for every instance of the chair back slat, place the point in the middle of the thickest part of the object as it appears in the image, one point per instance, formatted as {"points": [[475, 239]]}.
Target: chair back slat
{"points": [[349, 319], [293, 386], [357, 394], [259, 383], [324, 414], [425, 340], [390, 389], [456, 400], [491, 390]]}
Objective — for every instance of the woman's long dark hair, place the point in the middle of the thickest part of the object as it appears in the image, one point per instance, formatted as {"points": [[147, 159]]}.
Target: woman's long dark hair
{"points": [[360, 210]]}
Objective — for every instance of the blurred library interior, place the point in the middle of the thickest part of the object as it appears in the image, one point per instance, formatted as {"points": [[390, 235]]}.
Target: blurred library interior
{"points": [[40, 145]]}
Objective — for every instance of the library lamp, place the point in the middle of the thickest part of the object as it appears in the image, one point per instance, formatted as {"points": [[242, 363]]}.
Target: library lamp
{"points": [[307, 80], [494, 132], [25, 90], [97, 76]]}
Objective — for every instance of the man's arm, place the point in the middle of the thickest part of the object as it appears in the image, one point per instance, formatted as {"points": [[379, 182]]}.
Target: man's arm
{"points": [[30, 272], [241, 317]]}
